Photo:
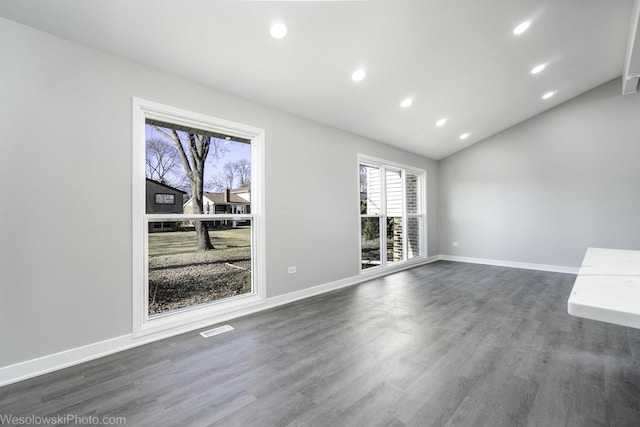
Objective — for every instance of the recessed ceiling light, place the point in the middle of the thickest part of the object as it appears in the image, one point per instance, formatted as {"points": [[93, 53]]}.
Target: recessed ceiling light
{"points": [[406, 102], [278, 30], [548, 94], [538, 68], [465, 135], [441, 122], [358, 75], [521, 28]]}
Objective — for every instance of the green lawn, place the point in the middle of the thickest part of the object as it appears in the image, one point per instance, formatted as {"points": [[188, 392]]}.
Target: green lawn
{"points": [[181, 247]]}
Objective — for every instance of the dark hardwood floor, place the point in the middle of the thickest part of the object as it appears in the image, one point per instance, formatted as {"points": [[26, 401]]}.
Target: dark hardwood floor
{"points": [[446, 344]]}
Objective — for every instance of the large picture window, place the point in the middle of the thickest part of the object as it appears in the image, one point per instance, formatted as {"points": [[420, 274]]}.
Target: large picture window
{"points": [[391, 213], [197, 219]]}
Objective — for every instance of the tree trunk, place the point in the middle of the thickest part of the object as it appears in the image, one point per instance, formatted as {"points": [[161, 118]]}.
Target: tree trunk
{"points": [[198, 150], [204, 241]]}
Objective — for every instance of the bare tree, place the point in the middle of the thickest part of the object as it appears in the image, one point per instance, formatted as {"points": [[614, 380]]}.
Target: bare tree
{"points": [[193, 159], [229, 172], [161, 159], [183, 183], [363, 178], [232, 173], [216, 183], [243, 170]]}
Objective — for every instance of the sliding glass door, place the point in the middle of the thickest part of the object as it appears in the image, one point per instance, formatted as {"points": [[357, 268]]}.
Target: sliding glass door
{"points": [[391, 213]]}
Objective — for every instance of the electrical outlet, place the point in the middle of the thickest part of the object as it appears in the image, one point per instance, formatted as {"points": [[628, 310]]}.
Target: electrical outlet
{"points": [[455, 244], [292, 270]]}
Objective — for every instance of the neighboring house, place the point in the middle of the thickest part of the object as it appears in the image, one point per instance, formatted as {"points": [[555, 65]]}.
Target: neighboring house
{"points": [[235, 201], [163, 199], [245, 193]]}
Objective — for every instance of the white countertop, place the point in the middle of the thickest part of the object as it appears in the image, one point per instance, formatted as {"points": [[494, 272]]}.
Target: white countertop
{"points": [[608, 287]]}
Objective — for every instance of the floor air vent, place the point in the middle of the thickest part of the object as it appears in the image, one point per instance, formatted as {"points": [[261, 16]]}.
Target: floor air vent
{"points": [[216, 331]]}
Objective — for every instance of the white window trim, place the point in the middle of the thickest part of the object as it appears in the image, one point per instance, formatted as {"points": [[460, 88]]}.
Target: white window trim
{"points": [[367, 160], [142, 324]]}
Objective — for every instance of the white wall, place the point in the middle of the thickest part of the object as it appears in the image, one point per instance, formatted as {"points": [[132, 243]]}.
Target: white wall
{"points": [[65, 117], [543, 191]]}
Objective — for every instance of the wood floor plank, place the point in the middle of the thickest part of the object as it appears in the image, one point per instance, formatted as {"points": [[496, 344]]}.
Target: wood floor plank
{"points": [[445, 344]]}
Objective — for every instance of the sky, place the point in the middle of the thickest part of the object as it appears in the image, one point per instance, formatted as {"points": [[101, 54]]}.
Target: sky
{"points": [[233, 152]]}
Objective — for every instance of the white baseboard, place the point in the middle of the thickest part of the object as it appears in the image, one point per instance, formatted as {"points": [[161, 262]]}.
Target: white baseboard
{"points": [[327, 287], [53, 362], [512, 264], [49, 363]]}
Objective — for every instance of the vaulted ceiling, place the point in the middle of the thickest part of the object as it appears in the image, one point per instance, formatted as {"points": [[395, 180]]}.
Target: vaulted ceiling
{"points": [[457, 60]]}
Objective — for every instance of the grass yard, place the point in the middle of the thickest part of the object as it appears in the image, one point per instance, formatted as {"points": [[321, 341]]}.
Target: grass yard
{"points": [[180, 276]]}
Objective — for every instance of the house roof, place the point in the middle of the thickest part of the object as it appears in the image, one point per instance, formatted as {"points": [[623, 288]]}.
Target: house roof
{"points": [[219, 199], [168, 187], [241, 189]]}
